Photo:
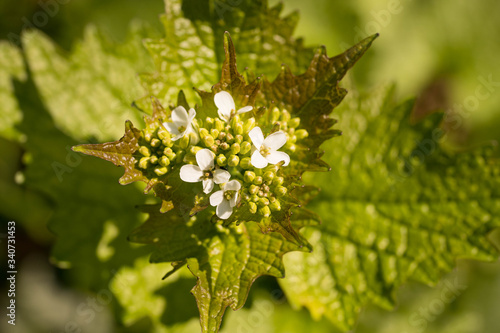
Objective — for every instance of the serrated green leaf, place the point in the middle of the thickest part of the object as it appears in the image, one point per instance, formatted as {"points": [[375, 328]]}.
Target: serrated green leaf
{"points": [[11, 66], [191, 55], [226, 260], [96, 82], [401, 207]]}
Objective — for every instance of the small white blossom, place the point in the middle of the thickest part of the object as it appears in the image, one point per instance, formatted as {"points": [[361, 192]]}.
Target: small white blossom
{"points": [[266, 149], [225, 199], [182, 122], [226, 107], [204, 172]]}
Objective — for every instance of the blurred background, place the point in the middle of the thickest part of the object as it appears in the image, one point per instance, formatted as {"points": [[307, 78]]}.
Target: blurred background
{"points": [[441, 51]]}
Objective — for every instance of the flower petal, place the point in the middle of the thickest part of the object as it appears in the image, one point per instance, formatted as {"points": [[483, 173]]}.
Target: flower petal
{"points": [[171, 128], [225, 102], [276, 140], [234, 200], [258, 160], [191, 115], [216, 198], [224, 210], [180, 116], [208, 185], [277, 156], [191, 173], [233, 185], [205, 159], [256, 136], [221, 176], [245, 109]]}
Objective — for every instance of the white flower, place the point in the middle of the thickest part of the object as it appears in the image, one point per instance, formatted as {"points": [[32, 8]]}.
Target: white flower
{"points": [[227, 109], [204, 172], [181, 122], [225, 199], [266, 149]]}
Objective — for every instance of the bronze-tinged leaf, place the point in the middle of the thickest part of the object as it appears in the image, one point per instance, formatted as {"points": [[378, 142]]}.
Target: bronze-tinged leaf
{"points": [[120, 153]]}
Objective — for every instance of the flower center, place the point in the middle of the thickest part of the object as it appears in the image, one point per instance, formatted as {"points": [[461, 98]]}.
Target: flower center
{"points": [[207, 174], [181, 129], [228, 195], [264, 151]]}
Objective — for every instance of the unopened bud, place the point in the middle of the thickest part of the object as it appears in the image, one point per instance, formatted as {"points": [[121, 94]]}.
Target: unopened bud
{"points": [[203, 132], [278, 181], [263, 202], [265, 211], [143, 162], [246, 163], [161, 171], [169, 153], [208, 140], [269, 176], [184, 142], [153, 159], [164, 161], [209, 122], [238, 138], [144, 151], [281, 191], [285, 116], [148, 136], [293, 123], [249, 177], [301, 134], [252, 207], [253, 189], [245, 147], [238, 128], [219, 124], [235, 148], [257, 180], [155, 142], [194, 149], [248, 125], [221, 160], [275, 206], [214, 133], [224, 146], [233, 160], [275, 115], [164, 136]]}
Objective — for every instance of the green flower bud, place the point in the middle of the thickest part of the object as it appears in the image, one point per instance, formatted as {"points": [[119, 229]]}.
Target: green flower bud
{"points": [[248, 125], [224, 146], [148, 136], [208, 140], [164, 161], [275, 206], [268, 176], [292, 147], [301, 134], [153, 159], [275, 115], [143, 162], [278, 181], [235, 148], [194, 149], [255, 198], [169, 153], [294, 123], [144, 151], [161, 171], [238, 138], [249, 177], [203, 132], [238, 128], [263, 202], [164, 135], [253, 189], [219, 124], [246, 163], [184, 142], [245, 147], [209, 121], [233, 160], [229, 137], [222, 135], [252, 207], [257, 180], [285, 116], [281, 191], [155, 142], [214, 133], [221, 160], [265, 211]]}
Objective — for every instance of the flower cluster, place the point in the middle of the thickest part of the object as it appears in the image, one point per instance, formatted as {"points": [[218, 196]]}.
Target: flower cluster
{"points": [[230, 152]]}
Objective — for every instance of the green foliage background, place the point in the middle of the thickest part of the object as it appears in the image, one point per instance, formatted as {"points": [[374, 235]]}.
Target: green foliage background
{"points": [[437, 50]]}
